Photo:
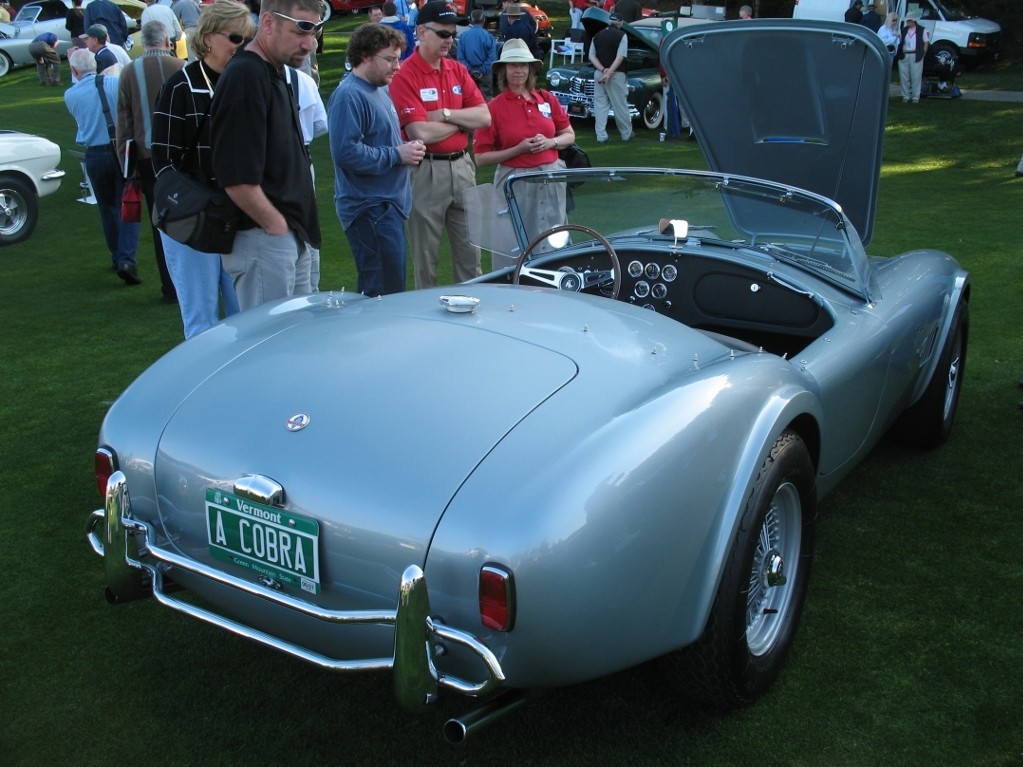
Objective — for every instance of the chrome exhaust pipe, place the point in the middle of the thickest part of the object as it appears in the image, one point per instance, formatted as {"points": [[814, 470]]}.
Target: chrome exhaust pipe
{"points": [[457, 729]]}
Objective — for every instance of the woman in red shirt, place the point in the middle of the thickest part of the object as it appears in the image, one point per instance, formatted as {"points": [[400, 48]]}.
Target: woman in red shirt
{"points": [[527, 128]]}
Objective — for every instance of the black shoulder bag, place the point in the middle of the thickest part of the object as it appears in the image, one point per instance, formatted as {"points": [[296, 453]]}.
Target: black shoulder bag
{"points": [[193, 212]]}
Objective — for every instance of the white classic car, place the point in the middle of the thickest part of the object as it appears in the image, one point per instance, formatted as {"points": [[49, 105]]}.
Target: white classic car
{"points": [[28, 171]]}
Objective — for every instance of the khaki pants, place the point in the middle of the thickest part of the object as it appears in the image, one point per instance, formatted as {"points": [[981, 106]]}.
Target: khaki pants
{"points": [[437, 187]]}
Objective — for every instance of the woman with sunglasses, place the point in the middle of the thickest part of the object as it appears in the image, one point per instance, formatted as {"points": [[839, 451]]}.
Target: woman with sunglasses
{"points": [[181, 139]]}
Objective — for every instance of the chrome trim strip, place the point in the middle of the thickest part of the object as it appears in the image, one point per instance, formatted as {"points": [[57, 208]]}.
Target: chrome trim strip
{"points": [[416, 676]]}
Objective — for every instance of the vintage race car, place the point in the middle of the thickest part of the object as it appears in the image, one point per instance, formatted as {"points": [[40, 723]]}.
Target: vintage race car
{"points": [[609, 451], [28, 171]]}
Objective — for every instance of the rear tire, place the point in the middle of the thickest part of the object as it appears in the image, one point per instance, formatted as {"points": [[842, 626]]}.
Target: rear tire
{"points": [[755, 613], [5, 63], [928, 422]]}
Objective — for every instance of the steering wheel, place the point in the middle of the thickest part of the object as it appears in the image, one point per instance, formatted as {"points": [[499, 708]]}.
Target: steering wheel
{"points": [[570, 280]]}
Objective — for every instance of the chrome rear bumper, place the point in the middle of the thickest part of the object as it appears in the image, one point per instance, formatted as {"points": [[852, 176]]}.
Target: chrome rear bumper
{"points": [[135, 566]]}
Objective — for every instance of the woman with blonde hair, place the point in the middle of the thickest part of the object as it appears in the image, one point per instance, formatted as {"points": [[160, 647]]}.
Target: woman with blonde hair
{"points": [[527, 128], [181, 139], [889, 34]]}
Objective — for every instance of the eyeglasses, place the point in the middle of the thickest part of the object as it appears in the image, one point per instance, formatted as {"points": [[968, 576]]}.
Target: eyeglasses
{"points": [[391, 60], [235, 38], [305, 26], [443, 34]]}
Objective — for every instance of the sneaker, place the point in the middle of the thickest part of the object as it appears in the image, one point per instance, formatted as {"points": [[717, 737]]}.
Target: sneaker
{"points": [[129, 274]]}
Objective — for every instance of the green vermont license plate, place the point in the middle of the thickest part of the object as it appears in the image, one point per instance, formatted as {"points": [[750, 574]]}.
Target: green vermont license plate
{"points": [[264, 539]]}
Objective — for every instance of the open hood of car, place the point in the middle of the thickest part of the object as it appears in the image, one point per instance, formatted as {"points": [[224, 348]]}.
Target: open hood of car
{"points": [[797, 102]]}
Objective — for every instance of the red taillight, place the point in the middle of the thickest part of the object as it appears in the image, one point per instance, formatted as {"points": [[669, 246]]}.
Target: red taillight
{"points": [[106, 464], [497, 598]]}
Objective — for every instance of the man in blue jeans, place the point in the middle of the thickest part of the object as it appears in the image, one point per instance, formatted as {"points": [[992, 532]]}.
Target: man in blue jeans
{"points": [[84, 101], [372, 186]]}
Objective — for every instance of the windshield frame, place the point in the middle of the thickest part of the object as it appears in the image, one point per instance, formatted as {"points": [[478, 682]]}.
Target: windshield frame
{"points": [[823, 242]]}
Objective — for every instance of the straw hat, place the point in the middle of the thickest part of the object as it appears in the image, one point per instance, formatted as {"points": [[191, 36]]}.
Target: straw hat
{"points": [[514, 10], [515, 51]]}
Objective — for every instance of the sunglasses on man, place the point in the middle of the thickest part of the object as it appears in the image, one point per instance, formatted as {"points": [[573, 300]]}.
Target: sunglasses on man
{"points": [[443, 34], [305, 26]]}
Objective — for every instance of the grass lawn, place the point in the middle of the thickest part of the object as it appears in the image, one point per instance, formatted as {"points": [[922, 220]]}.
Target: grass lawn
{"points": [[910, 649]]}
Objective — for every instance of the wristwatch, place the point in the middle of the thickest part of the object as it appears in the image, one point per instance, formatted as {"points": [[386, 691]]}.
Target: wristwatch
{"points": [[447, 115]]}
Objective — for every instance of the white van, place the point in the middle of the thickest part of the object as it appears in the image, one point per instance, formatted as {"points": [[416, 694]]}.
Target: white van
{"points": [[955, 31]]}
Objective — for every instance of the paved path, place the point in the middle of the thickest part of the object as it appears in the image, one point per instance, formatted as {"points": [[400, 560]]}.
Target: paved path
{"points": [[1011, 97]]}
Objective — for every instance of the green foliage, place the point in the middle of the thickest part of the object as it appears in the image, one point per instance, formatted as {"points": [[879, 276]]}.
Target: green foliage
{"points": [[909, 651]]}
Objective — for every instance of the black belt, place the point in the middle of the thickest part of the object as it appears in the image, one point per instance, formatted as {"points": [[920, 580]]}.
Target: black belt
{"points": [[449, 157]]}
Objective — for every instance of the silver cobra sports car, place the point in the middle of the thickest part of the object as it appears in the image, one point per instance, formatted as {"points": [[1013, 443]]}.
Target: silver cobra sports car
{"points": [[608, 451]]}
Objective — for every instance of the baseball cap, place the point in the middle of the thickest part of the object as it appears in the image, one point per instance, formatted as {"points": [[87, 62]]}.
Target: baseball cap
{"points": [[440, 12]]}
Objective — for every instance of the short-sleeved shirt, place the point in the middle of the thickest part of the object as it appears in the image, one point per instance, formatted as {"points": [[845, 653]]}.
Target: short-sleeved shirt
{"points": [[257, 141], [418, 88], [513, 118], [105, 58]]}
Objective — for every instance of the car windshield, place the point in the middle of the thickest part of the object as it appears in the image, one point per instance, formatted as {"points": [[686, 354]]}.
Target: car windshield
{"points": [[955, 10], [765, 219], [28, 14]]}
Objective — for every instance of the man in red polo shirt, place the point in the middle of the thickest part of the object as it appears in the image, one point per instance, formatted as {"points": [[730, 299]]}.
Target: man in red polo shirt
{"points": [[438, 103]]}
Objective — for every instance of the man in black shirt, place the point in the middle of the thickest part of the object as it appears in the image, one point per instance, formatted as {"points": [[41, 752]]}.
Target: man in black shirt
{"points": [[260, 159]]}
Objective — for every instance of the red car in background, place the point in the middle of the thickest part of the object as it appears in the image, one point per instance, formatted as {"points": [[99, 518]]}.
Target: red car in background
{"points": [[330, 7]]}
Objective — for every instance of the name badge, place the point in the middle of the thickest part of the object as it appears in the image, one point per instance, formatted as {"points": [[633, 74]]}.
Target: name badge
{"points": [[545, 110], [429, 94]]}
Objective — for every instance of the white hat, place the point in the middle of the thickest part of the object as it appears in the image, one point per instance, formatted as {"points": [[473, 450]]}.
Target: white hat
{"points": [[515, 51]]}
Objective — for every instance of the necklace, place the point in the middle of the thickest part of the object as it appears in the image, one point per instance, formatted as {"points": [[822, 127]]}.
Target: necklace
{"points": [[202, 69]]}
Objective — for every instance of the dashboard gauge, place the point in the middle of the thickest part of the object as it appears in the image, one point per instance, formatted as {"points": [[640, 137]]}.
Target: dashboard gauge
{"points": [[653, 271], [635, 269], [659, 291], [669, 273], [642, 289]]}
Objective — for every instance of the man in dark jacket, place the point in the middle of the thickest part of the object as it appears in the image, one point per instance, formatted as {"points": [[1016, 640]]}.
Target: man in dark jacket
{"points": [[629, 10], [519, 26], [854, 14], [109, 15], [872, 19]]}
